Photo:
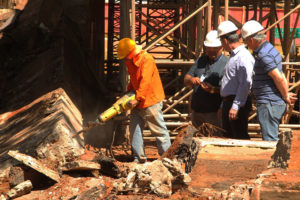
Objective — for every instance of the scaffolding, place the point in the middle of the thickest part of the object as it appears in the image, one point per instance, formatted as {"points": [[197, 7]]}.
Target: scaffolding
{"points": [[173, 32]]}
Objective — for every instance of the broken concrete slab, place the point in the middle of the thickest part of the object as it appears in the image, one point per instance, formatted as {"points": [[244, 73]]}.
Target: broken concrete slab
{"points": [[80, 165], [281, 156], [219, 167], [236, 143], [42, 129], [294, 162], [184, 148], [35, 164], [277, 185], [16, 176], [20, 190]]}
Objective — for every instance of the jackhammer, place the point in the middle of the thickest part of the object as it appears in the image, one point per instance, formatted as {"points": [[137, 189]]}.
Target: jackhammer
{"points": [[120, 106]]}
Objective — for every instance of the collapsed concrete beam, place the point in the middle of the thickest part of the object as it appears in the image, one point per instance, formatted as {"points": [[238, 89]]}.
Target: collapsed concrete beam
{"points": [[184, 148], [35, 164], [237, 143], [80, 165], [42, 129]]}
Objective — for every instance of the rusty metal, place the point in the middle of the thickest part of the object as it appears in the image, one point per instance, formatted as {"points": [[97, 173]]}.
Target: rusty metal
{"points": [[209, 130]]}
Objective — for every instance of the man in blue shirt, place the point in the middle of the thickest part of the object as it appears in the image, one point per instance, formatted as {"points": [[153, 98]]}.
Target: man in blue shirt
{"points": [[204, 76], [236, 83], [270, 86]]}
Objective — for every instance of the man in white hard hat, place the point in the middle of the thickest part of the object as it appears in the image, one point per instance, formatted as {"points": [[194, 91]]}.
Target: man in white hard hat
{"points": [[205, 76], [236, 83], [270, 86]]}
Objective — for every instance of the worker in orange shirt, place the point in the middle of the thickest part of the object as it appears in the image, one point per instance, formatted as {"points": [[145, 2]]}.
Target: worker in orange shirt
{"points": [[145, 81]]}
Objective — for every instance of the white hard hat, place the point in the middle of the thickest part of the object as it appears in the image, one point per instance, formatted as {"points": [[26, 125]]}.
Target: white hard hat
{"points": [[212, 39], [226, 27], [251, 27]]}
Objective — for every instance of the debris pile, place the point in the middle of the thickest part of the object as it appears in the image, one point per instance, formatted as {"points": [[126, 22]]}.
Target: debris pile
{"points": [[160, 177], [38, 151], [41, 159]]}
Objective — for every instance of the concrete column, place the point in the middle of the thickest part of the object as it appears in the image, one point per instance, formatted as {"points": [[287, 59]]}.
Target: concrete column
{"points": [[124, 32], [287, 7], [97, 15]]}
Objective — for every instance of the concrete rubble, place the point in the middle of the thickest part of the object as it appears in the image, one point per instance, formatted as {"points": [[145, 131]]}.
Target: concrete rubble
{"points": [[38, 150], [159, 177], [35, 164], [19, 190]]}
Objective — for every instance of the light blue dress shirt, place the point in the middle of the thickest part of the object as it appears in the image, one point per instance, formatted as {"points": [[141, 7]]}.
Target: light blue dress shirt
{"points": [[237, 79]]}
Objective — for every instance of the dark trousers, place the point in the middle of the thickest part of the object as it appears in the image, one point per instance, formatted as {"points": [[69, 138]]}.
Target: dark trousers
{"points": [[237, 129]]}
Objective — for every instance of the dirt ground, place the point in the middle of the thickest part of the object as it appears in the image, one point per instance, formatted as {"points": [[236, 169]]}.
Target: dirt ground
{"points": [[216, 168]]}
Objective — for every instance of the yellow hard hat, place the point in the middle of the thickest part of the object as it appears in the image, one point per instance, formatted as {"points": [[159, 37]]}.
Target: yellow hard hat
{"points": [[125, 46]]}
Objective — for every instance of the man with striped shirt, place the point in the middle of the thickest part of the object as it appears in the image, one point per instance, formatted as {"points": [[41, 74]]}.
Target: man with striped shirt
{"points": [[270, 86]]}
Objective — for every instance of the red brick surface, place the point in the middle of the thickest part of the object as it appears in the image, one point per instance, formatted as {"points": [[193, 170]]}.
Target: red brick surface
{"points": [[294, 163]]}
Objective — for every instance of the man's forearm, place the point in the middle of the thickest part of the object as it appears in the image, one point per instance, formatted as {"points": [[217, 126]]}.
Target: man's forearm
{"points": [[282, 86], [188, 80], [280, 82]]}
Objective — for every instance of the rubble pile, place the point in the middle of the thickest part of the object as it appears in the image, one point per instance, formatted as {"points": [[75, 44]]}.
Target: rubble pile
{"points": [[159, 177], [41, 159]]}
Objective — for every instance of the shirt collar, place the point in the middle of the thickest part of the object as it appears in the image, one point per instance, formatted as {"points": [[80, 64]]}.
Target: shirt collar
{"points": [[260, 47], [214, 60], [137, 58], [236, 50]]}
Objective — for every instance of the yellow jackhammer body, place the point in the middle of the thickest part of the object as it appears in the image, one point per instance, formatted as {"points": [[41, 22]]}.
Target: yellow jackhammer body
{"points": [[120, 106]]}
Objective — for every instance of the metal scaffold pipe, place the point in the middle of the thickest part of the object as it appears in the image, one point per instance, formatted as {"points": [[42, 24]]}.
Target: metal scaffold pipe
{"points": [[158, 39], [297, 7]]}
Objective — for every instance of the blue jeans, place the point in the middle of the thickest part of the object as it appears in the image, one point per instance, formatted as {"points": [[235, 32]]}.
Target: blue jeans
{"points": [[153, 116], [269, 117]]}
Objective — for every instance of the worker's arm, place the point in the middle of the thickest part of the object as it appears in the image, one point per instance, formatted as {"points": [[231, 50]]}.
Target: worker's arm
{"points": [[210, 88], [189, 80], [281, 84]]}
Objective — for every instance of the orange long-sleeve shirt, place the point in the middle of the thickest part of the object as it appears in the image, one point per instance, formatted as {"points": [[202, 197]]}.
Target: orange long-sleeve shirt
{"points": [[145, 80]]}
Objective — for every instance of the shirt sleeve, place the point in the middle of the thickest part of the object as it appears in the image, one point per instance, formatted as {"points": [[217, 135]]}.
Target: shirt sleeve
{"points": [[192, 70], [147, 69], [244, 74]]}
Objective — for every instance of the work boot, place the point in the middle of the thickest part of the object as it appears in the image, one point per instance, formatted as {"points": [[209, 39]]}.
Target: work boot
{"points": [[140, 161]]}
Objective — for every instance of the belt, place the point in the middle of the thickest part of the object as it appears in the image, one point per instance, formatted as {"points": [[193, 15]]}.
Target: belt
{"points": [[229, 98]]}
